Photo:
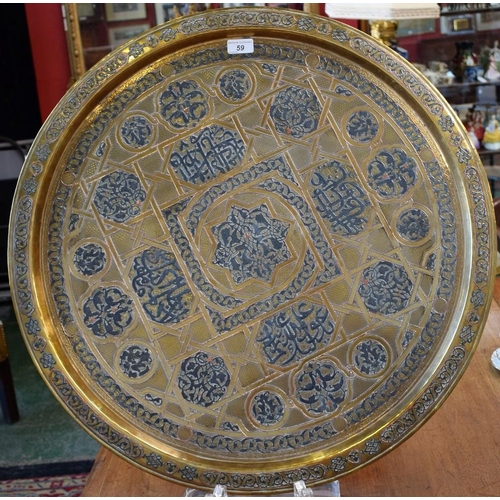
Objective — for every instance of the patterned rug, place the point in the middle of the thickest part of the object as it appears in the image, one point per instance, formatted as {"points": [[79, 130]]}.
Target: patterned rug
{"points": [[56, 486]]}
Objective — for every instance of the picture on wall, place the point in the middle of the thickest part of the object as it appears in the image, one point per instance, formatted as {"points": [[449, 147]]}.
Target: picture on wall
{"points": [[412, 27], [488, 21], [85, 11], [125, 11], [118, 36]]}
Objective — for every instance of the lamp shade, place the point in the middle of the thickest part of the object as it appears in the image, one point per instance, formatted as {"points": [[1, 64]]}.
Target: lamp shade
{"points": [[385, 11]]}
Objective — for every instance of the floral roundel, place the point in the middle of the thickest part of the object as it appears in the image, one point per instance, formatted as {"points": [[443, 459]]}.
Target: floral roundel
{"points": [[108, 312], [251, 243], [370, 357], [413, 225], [362, 126], [89, 259], [135, 361], [267, 408], [295, 112], [203, 379], [136, 132], [392, 173], [119, 196], [321, 386], [385, 288], [183, 104], [235, 84]]}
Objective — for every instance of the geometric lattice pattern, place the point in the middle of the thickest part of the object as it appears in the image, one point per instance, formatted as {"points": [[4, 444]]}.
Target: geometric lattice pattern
{"points": [[249, 255], [255, 238]]}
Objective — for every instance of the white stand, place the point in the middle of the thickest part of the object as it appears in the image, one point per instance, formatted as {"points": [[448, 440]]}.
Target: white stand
{"points": [[299, 490], [219, 491]]}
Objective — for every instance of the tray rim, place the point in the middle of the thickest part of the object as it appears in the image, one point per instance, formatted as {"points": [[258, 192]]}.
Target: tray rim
{"points": [[135, 58]]}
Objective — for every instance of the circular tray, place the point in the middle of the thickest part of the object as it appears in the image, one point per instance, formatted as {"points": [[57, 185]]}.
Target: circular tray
{"points": [[252, 269]]}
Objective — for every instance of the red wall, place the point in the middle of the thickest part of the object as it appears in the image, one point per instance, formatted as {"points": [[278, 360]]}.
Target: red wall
{"points": [[50, 53]]}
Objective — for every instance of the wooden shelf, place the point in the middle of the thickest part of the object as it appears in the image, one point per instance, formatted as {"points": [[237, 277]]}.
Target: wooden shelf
{"points": [[492, 172], [468, 84], [487, 152], [468, 11]]}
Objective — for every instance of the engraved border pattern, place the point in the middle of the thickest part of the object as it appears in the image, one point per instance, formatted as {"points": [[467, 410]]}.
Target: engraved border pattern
{"points": [[374, 446]]}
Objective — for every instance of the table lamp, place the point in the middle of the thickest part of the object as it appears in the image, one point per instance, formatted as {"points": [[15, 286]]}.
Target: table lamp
{"points": [[384, 17]]}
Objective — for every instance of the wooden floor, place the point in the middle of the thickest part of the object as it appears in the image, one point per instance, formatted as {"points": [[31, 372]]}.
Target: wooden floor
{"points": [[455, 453]]}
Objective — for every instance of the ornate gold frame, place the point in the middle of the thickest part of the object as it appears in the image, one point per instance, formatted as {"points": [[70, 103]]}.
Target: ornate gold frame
{"points": [[75, 48]]}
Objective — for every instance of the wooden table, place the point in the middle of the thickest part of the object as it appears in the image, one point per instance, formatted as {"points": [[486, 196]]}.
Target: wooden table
{"points": [[455, 453]]}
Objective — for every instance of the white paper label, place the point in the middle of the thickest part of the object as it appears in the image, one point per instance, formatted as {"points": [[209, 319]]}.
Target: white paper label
{"points": [[242, 46]]}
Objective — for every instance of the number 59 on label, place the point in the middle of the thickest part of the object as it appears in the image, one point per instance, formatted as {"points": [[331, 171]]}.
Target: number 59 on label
{"points": [[240, 46]]}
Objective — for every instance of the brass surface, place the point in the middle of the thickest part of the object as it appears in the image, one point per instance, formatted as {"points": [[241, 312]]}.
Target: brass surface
{"points": [[255, 268]]}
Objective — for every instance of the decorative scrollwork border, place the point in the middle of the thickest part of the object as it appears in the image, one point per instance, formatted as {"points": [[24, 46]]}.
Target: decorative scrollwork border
{"points": [[316, 28]]}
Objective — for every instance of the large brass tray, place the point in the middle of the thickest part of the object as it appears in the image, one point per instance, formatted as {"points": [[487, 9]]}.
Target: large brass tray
{"points": [[250, 269]]}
